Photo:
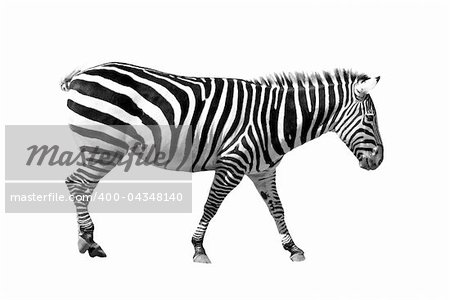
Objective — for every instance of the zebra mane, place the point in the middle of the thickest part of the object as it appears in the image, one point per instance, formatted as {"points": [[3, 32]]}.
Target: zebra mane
{"points": [[288, 79]]}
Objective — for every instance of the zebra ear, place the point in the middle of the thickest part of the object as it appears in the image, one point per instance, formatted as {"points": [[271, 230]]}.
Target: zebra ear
{"points": [[365, 85]]}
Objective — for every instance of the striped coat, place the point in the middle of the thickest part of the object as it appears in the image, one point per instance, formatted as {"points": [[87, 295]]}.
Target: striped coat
{"points": [[235, 127]]}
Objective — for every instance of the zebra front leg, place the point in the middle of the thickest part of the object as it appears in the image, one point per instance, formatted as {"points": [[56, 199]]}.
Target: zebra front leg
{"points": [[225, 180], [265, 183]]}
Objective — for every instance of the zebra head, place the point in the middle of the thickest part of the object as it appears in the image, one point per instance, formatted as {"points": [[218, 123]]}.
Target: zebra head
{"points": [[358, 128]]}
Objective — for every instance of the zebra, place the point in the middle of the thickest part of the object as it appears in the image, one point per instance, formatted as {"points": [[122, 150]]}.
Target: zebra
{"points": [[239, 128]]}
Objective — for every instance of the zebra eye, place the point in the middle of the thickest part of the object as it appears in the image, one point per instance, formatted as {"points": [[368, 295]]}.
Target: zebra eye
{"points": [[369, 117]]}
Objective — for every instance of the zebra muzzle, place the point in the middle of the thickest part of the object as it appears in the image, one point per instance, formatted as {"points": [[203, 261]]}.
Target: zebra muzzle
{"points": [[372, 160]]}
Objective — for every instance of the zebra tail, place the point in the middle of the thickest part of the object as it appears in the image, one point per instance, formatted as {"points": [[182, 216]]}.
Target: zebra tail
{"points": [[66, 81]]}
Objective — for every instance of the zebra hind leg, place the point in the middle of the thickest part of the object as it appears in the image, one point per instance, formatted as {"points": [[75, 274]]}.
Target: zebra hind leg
{"points": [[81, 190], [81, 185], [265, 183]]}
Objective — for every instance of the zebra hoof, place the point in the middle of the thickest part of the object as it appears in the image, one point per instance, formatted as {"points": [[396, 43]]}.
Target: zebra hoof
{"points": [[297, 257], [83, 245], [202, 258], [96, 250]]}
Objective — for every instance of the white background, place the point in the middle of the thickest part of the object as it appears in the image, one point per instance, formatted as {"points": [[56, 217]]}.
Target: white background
{"points": [[366, 235]]}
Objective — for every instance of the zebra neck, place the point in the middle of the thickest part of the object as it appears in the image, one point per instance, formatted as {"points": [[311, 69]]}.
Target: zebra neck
{"points": [[307, 112]]}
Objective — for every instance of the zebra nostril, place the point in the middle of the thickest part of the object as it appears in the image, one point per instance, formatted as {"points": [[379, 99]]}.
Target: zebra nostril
{"points": [[376, 150], [379, 154]]}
